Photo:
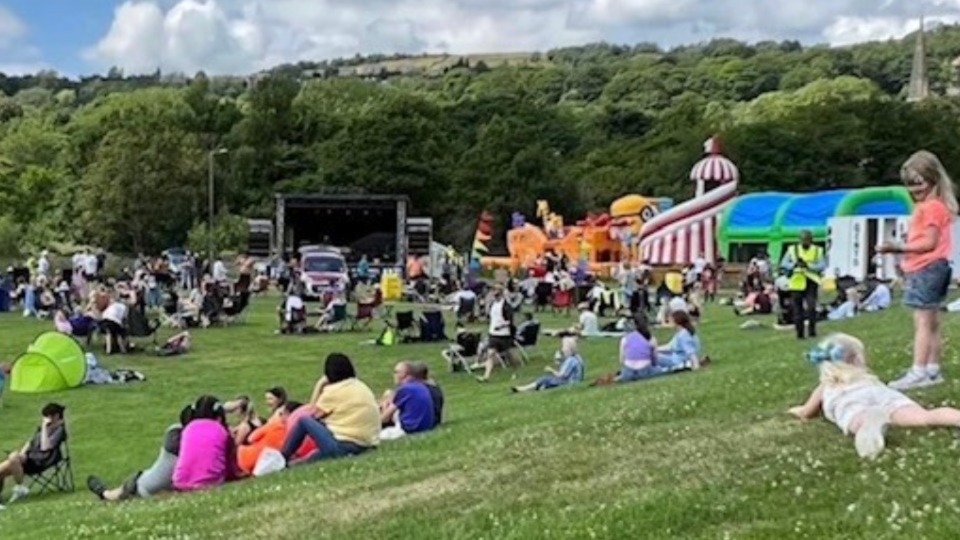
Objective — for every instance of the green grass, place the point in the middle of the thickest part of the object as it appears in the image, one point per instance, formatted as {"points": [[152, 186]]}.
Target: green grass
{"points": [[700, 455]]}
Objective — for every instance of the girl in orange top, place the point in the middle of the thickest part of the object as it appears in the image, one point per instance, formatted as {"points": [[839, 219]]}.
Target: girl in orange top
{"points": [[269, 435], [926, 263]]}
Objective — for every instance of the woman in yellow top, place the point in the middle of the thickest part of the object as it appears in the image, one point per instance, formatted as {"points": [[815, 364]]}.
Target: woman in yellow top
{"points": [[347, 417]]}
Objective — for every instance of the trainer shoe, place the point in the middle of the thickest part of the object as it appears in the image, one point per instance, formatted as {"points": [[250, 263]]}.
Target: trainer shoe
{"points": [[909, 381], [18, 493], [870, 437], [933, 380], [96, 486]]}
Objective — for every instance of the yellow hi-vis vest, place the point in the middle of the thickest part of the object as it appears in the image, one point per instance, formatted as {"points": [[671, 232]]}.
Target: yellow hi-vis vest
{"points": [[799, 277]]}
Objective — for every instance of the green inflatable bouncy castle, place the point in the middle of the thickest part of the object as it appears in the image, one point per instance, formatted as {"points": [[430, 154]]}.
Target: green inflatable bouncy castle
{"points": [[53, 362], [773, 221]]}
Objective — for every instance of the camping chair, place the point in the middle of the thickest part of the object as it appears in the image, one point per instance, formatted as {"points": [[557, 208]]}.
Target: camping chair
{"points": [[406, 327], [366, 312], [562, 300], [432, 327], [412, 293], [170, 314], [526, 341], [235, 308], [297, 322], [139, 326], [541, 295], [467, 310], [59, 476], [459, 354], [211, 309], [338, 319]]}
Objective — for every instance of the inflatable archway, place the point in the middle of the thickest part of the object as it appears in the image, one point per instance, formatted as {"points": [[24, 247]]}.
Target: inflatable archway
{"points": [[53, 362]]}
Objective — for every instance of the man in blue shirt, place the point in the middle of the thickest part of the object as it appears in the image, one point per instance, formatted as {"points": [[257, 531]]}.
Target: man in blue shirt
{"points": [[408, 409]]}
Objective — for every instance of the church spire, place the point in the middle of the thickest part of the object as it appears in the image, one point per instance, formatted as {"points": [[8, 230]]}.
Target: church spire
{"points": [[919, 83]]}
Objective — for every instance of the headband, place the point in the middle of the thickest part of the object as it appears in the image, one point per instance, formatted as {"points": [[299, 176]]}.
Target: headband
{"points": [[828, 352]]}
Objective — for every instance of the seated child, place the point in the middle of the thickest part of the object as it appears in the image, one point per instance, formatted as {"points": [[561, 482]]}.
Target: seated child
{"points": [[207, 453], [858, 403], [571, 370], [328, 319], [846, 309], [683, 350]]}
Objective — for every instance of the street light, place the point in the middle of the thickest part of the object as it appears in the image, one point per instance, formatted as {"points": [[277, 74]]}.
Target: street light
{"points": [[211, 162]]}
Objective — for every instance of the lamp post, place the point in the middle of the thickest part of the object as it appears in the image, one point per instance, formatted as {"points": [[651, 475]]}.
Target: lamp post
{"points": [[211, 162]]}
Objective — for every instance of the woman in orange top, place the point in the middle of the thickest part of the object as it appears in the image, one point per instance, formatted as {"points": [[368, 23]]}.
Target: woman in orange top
{"points": [[269, 435], [926, 263]]}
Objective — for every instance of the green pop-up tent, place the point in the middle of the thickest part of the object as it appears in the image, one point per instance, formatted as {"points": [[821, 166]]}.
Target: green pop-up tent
{"points": [[53, 362]]}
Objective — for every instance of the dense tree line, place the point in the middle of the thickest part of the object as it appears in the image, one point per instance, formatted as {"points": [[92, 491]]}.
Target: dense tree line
{"points": [[121, 161]]}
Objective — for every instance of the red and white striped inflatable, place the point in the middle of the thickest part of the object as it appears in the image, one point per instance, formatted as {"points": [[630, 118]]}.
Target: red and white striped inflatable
{"points": [[715, 168], [689, 231]]}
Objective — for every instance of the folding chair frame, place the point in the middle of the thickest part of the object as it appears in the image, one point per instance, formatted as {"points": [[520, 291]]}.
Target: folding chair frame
{"points": [[59, 477], [453, 356]]}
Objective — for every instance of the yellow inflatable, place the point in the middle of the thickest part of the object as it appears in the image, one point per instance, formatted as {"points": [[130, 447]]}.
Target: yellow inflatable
{"points": [[629, 213]]}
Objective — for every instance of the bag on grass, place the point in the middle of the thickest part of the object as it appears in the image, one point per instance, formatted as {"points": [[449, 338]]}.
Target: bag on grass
{"points": [[269, 462]]}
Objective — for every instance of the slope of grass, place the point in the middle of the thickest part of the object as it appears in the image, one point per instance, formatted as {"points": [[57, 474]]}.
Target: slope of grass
{"points": [[699, 455]]}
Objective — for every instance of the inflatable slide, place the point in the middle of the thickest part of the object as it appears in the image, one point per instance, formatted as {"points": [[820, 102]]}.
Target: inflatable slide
{"points": [[687, 231]]}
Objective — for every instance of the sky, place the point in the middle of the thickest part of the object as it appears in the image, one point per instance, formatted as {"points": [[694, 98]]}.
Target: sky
{"points": [[78, 37]]}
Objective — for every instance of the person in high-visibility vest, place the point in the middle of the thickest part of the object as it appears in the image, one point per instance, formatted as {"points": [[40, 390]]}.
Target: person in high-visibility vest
{"points": [[804, 263]]}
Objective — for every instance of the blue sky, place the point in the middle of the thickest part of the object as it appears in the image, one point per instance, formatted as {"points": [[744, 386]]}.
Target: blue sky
{"points": [[242, 36], [56, 31]]}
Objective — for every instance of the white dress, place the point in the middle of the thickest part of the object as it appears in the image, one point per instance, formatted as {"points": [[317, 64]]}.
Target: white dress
{"points": [[844, 402]]}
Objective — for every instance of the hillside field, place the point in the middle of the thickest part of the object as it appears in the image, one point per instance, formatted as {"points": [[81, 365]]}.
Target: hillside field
{"points": [[709, 454]]}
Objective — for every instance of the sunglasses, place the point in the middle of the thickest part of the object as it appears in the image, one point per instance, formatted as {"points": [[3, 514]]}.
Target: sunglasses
{"points": [[913, 179], [914, 182]]}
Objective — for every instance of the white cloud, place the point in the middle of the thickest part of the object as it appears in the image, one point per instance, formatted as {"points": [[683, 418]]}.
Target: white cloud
{"points": [[11, 28], [850, 30], [17, 55], [240, 36]]}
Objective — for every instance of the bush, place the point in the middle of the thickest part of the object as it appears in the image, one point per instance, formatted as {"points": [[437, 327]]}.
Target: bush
{"points": [[230, 233]]}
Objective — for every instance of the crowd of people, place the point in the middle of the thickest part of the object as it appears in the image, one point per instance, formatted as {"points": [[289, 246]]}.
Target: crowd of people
{"points": [[213, 442], [85, 302], [793, 292], [203, 448]]}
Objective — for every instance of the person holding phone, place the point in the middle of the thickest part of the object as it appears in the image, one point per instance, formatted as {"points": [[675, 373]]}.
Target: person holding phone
{"points": [[39, 453], [500, 332], [926, 263]]}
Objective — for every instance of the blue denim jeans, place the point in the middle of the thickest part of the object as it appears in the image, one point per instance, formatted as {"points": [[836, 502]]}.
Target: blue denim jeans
{"points": [[328, 447], [629, 375], [549, 381], [670, 361]]}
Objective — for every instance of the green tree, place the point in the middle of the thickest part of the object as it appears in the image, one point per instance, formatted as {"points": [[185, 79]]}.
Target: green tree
{"points": [[139, 192]]}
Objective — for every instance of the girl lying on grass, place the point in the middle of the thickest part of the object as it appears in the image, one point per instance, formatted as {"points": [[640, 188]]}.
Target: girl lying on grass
{"points": [[858, 403]]}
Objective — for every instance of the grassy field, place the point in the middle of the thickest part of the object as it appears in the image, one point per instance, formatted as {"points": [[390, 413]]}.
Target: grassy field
{"points": [[709, 454]]}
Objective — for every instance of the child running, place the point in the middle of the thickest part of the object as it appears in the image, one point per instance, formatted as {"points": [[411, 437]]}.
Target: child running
{"points": [[858, 403], [926, 263]]}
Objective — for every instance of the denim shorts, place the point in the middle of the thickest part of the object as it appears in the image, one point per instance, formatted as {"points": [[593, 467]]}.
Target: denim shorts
{"points": [[927, 287]]}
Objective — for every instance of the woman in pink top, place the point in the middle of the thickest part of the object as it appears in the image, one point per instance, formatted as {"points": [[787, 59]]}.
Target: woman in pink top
{"points": [[926, 263], [208, 456]]}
